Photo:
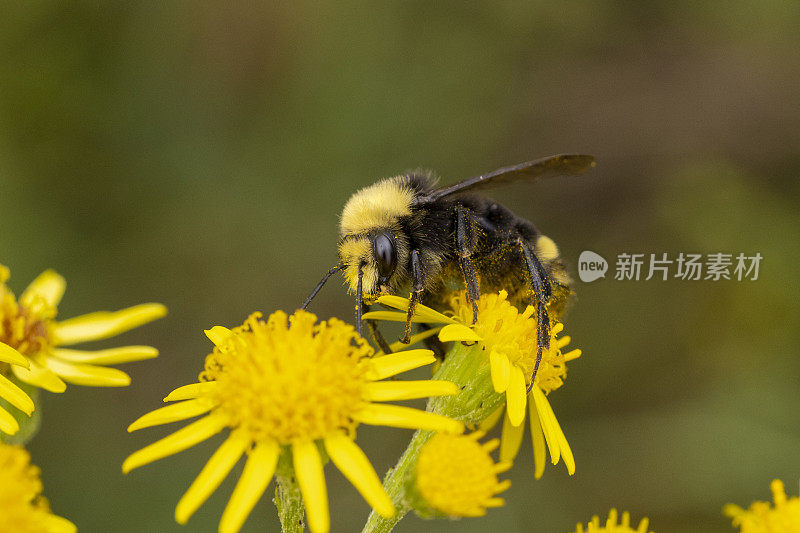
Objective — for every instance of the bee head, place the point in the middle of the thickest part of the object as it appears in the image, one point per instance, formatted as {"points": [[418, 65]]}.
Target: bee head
{"points": [[372, 238]]}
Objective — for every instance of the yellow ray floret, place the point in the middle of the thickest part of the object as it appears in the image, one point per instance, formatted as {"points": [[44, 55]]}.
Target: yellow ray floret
{"points": [[612, 525], [23, 509], [290, 384], [781, 517], [456, 476], [31, 340]]}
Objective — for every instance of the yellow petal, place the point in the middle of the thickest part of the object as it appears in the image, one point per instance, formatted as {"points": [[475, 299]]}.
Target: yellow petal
{"points": [[423, 312], [510, 439], [391, 316], [563, 445], [182, 439], [49, 286], [501, 371], [188, 392], [12, 356], [8, 424], [308, 468], [389, 391], [173, 413], [58, 524], [111, 356], [537, 438], [516, 396], [355, 466], [398, 346], [218, 334], [407, 417], [209, 479], [15, 396], [458, 332], [547, 427], [88, 375], [572, 355], [491, 421], [104, 324], [41, 377], [395, 363], [258, 471]]}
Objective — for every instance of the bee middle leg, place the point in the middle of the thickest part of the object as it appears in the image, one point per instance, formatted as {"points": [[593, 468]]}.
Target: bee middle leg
{"points": [[465, 237], [377, 336], [540, 283], [418, 286]]}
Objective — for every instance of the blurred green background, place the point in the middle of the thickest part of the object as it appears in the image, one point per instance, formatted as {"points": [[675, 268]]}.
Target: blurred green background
{"points": [[198, 154]]}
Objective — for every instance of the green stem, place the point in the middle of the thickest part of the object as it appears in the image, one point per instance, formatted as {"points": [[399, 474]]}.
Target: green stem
{"points": [[288, 498], [468, 367]]}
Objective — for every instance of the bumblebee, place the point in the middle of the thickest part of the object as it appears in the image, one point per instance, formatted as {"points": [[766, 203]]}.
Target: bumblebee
{"points": [[405, 232]]}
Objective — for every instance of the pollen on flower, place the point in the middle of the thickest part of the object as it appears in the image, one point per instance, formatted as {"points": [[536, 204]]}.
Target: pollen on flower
{"points": [[24, 324], [456, 476], [762, 517], [23, 509], [289, 381], [612, 525]]}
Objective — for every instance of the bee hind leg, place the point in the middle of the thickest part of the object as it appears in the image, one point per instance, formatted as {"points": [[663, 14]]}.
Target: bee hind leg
{"points": [[540, 283]]}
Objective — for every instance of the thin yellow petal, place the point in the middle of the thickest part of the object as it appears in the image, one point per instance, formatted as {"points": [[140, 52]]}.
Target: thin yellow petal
{"points": [[308, 468], [49, 286], [510, 439], [258, 471], [8, 424], [182, 439], [355, 466], [15, 396], [563, 445], [188, 392], [572, 355], [104, 324], [41, 377], [547, 427], [537, 438], [398, 346], [501, 371], [111, 356], [495, 502], [395, 363], [491, 421], [563, 341], [392, 316], [516, 396], [212, 474], [88, 375], [458, 332], [218, 334], [389, 391], [58, 524], [407, 417], [12, 356], [425, 313], [173, 413]]}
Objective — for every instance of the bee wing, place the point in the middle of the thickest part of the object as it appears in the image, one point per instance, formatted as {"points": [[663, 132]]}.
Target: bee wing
{"points": [[555, 165]]}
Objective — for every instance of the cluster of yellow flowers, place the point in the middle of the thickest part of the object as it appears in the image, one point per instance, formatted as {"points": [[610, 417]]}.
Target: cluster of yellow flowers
{"points": [[290, 391]]}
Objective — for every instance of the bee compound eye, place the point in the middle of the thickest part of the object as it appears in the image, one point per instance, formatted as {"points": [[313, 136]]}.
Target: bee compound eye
{"points": [[386, 255]]}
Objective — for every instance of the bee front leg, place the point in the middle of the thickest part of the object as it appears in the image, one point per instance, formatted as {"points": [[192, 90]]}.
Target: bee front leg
{"points": [[377, 336], [540, 284], [464, 240], [418, 285]]}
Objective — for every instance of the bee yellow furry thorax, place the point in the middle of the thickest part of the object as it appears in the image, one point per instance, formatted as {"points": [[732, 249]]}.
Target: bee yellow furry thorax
{"points": [[376, 206]]}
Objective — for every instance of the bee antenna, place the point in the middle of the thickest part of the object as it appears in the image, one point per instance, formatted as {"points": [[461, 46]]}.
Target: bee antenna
{"points": [[330, 273], [359, 299]]}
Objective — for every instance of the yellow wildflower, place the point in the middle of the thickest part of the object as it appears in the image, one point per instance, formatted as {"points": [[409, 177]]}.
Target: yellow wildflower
{"points": [[23, 509], [290, 386], [612, 526], [456, 475], [31, 343], [507, 338], [762, 517]]}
